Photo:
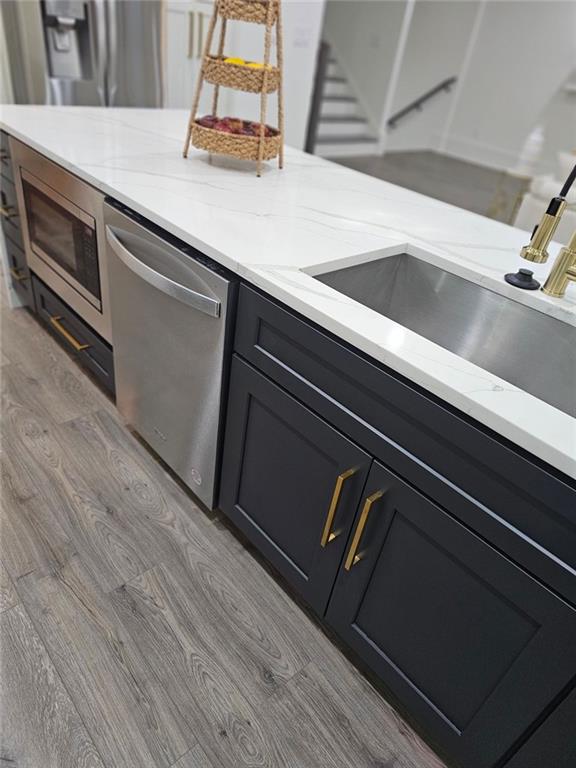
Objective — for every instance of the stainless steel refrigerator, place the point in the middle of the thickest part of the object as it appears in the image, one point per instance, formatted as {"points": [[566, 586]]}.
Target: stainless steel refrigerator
{"points": [[95, 52]]}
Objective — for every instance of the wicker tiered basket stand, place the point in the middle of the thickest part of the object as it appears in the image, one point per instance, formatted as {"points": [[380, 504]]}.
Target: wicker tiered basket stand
{"points": [[264, 79]]}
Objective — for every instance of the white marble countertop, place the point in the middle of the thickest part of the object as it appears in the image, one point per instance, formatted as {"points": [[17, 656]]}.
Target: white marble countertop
{"points": [[279, 230]]}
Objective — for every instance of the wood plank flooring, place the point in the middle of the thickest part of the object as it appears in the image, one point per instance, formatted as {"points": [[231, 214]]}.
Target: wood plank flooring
{"points": [[136, 630], [473, 187]]}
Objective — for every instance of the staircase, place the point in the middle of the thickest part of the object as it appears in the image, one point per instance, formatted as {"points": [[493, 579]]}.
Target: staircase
{"points": [[343, 130]]}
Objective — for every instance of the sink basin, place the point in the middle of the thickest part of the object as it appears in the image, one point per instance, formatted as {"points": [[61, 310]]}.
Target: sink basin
{"points": [[533, 351]]}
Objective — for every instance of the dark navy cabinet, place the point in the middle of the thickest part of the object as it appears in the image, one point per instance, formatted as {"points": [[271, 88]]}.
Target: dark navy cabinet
{"points": [[553, 744], [11, 227], [89, 349], [472, 645], [19, 273], [292, 482], [451, 573]]}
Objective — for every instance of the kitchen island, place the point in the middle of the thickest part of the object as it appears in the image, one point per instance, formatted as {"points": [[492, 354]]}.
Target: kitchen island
{"points": [[457, 589], [279, 231]]}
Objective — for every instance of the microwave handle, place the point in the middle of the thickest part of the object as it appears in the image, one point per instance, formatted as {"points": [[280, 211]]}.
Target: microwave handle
{"points": [[199, 301]]}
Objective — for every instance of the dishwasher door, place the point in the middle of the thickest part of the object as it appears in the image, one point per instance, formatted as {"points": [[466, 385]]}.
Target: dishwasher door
{"points": [[171, 320]]}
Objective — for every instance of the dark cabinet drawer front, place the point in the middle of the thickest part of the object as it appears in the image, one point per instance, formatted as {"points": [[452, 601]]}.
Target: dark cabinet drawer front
{"points": [[19, 273], [484, 481], [5, 158], [280, 477], [473, 646], [90, 350], [11, 221], [8, 194]]}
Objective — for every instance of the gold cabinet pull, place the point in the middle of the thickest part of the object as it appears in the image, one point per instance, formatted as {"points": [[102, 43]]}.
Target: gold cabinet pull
{"points": [[200, 35], [327, 534], [18, 274], [8, 211], [353, 558], [191, 15], [55, 321]]}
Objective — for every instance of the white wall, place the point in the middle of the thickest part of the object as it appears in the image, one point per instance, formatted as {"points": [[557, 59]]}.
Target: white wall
{"points": [[558, 118], [364, 34], [435, 50], [524, 53], [519, 54]]}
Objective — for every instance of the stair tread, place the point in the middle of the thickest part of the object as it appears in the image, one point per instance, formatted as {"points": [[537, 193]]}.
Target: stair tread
{"points": [[336, 97], [344, 139], [342, 119]]}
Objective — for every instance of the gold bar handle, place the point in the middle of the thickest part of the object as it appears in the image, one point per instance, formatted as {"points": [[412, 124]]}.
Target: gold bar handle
{"points": [[8, 211], [327, 534], [18, 274], [353, 558], [55, 321], [191, 15], [200, 34]]}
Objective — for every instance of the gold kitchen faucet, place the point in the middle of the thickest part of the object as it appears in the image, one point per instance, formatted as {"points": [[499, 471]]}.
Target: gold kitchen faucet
{"points": [[564, 269]]}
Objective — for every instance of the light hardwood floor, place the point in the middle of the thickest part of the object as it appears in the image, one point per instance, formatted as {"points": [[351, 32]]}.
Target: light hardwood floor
{"points": [[476, 188], [136, 630]]}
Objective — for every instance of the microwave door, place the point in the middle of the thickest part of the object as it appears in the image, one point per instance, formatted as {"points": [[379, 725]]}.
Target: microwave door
{"points": [[63, 236]]}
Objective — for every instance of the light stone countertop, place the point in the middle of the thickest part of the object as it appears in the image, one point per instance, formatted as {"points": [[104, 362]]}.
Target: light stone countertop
{"points": [[279, 230]]}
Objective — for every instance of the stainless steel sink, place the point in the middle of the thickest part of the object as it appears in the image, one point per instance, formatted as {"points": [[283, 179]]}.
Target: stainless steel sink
{"points": [[521, 345]]}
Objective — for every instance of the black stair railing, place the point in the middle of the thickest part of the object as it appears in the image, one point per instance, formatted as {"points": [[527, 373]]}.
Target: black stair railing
{"points": [[322, 63], [417, 104]]}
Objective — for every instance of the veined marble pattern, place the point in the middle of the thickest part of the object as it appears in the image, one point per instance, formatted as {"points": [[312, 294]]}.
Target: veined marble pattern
{"points": [[280, 230]]}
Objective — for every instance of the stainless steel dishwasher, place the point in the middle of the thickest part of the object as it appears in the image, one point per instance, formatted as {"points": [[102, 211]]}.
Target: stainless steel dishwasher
{"points": [[172, 312]]}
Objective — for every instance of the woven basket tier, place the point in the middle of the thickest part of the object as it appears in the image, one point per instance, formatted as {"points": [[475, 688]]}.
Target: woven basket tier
{"points": [[241, 77], [248, 10], [236, 145], [229, 135]]}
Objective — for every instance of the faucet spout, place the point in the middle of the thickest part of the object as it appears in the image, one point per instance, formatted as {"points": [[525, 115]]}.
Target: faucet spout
{"points": [[563, 271]]}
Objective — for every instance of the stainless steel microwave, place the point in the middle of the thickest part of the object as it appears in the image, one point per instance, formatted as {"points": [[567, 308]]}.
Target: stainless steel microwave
{"points": [[63, 234]]}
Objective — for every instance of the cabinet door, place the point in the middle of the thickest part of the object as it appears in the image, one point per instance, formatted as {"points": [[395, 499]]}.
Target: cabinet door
{"points": [[187, 24], [472, 646], [182, 62], [290, 482]]}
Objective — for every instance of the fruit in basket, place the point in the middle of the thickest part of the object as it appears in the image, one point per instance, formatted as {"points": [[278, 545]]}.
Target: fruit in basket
{"points": [[208, 121], [248, 128], [223, 126], [233, 60], [235, 125]]}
